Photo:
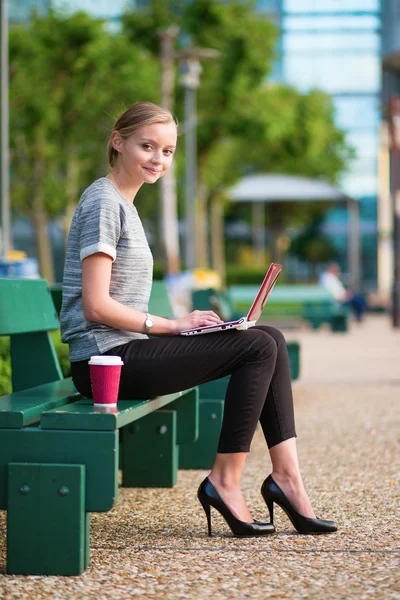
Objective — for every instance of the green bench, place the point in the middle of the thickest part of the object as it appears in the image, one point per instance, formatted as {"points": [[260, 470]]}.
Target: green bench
{"points": [[60, 455], [311, 303]]}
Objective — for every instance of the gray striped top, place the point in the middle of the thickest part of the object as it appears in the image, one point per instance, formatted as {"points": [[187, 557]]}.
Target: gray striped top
{"points": [[104, 221]]}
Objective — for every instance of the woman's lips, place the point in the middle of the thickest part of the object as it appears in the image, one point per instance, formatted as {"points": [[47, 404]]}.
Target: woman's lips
{"points": [[153, 171]]}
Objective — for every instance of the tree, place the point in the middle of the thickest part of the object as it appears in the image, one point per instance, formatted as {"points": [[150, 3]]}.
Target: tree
{"points": [[70, 78], [244, 123], [312, 246]]}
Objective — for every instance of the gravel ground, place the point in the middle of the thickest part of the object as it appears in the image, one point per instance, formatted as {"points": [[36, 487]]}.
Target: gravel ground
{"points": [[153, 544]]}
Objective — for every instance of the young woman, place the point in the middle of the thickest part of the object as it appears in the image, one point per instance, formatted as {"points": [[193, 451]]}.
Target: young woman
{"points": [[106, 289]]}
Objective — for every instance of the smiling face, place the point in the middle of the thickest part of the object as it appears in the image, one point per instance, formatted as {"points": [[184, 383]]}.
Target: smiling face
{"points": [[147, 153]]}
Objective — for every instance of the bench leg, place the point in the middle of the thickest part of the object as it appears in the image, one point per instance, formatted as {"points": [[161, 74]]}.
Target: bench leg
{"points": [[150, 451], [293, 349], [201, 454], [47, 529]]}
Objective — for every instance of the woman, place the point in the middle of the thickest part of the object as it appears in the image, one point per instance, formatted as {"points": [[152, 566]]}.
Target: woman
{"points": [[106, 289]]}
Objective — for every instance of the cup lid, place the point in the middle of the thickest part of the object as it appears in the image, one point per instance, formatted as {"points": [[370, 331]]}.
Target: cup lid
{"points": [[106, 360]]}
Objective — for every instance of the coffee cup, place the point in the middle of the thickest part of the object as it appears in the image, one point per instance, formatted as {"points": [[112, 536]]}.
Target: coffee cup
{"points": [[105, 374]]}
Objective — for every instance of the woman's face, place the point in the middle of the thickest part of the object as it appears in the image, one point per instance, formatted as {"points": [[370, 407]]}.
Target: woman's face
{"points": [[147, 153]]}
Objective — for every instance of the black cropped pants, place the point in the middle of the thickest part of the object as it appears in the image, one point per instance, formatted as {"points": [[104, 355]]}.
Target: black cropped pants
{"points": [[256, 359]]}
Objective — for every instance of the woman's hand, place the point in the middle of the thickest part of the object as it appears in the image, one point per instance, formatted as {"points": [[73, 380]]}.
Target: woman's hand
{"points": [[197, 318]]}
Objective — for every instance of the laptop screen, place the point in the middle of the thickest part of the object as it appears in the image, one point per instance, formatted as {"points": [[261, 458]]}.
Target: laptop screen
{"points": [[264, 291]]}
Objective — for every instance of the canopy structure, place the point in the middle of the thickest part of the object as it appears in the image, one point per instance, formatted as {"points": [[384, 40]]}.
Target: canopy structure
{"points": [[262, 188]]}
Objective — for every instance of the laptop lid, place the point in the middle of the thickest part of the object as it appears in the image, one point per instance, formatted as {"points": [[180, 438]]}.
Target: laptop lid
{"points": [[265, 289]]}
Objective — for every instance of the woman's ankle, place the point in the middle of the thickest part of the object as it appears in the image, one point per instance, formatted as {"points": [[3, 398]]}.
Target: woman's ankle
{"points": [[224, 481], [290, 476]]}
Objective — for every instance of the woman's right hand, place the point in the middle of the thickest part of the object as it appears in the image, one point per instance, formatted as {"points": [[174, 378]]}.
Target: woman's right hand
{"points": [[197, 318]]}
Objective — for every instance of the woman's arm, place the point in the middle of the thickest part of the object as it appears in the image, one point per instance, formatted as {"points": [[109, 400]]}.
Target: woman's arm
{"points": [[99, 307]]}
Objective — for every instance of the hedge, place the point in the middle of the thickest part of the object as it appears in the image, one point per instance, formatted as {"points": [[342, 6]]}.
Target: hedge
{"points": [[5, 363]]}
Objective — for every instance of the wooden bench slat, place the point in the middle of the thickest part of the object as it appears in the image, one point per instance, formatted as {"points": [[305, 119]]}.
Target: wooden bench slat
{"points": [[25, 407], [83, 415]]}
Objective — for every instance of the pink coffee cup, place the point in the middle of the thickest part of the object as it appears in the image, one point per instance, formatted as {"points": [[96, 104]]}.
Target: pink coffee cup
{"points": [[105, 373]]}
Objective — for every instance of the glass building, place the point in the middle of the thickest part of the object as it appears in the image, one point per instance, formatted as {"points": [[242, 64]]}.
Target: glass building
{"points": [[334, 45]]}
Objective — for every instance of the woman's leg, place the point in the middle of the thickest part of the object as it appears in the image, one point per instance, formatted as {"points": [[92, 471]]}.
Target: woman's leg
{"points": [[277, 420], [286, 473]]}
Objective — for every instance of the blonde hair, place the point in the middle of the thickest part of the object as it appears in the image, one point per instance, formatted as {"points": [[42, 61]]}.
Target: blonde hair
{"points": [[137, 116]]}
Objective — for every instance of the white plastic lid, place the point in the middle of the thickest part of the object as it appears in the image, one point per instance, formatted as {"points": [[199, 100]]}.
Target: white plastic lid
{"points": [[106, 360]]}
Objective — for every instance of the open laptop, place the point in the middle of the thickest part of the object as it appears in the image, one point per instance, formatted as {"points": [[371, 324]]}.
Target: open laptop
{"points": [[255, 311]]}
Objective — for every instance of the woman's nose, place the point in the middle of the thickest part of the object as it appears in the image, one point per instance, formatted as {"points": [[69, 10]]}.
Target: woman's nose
{"points": [[157, 158]]}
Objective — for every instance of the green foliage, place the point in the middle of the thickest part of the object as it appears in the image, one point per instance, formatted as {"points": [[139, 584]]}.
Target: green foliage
{"points": [[5, 362], [5, 366], [62, 353], [245, 124], [312, 246], [70, 77], [244, 275]]}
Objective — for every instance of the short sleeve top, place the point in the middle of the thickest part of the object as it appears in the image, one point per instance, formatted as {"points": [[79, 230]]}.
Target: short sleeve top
{"points": [[104, 221]]}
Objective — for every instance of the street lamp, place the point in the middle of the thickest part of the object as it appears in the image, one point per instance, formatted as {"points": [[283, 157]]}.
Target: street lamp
{"points": [[168, 188], [190, 71]]}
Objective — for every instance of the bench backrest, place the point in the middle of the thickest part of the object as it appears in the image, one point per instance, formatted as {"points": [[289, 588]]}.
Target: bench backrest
{"points": [[26, 306], [27, 315], [160, 303]]}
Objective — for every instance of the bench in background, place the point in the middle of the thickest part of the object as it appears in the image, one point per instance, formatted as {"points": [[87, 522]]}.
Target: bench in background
{"points": [[309, 303]]}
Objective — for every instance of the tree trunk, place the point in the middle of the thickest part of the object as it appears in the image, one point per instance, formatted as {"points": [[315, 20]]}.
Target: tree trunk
{"points": [[218, 238], [170, 233], [201, 228], [39, 217], [71, 187], [41, 226]]}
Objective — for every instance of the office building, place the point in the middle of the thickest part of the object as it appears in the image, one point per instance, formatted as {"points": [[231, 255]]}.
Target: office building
{"points": [[334, 45]]}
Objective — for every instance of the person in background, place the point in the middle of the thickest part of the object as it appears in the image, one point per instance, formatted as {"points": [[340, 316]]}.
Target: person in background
{"points": [[331, 282]]}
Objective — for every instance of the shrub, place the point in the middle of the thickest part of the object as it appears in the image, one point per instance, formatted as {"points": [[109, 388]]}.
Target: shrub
{"points": [[5, 362], [5, 366]]}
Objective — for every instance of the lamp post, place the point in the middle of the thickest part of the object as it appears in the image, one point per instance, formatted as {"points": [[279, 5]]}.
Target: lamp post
{"points": [[190, 72], [5, 237], [168, 188], [168, 204], [394, 130]]}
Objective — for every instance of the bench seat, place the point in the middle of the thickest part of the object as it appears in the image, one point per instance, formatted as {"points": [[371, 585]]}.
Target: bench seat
{"points": [[24, 408]]}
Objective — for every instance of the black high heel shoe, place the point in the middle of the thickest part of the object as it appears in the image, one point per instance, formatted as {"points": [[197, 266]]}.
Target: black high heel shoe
{"points": [[271, 493], [208, 496]]}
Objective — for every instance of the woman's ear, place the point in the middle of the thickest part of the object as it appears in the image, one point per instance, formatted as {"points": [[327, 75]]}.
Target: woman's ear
{"points": [[116, 141]]}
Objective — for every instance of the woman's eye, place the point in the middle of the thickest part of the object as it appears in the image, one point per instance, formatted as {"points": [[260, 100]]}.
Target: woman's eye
{"points": [[147, 146], [168, 152]]}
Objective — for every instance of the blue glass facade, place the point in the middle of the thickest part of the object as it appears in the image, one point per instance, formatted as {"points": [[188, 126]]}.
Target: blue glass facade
{"points": [[20, 10], [334, 45]]}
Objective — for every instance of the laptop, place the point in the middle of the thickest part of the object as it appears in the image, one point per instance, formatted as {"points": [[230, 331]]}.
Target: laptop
{"points": [[255, 311]]}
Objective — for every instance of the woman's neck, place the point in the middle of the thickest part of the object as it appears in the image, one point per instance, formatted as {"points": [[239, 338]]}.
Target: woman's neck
{"points": [[127, 188]]}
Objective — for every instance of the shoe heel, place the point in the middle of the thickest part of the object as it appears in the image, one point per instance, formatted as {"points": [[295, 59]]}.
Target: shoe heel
{"points": [[270, 505], [207, 510]]}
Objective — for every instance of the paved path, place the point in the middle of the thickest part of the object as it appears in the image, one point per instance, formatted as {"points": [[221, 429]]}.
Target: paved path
{"points": [[154, 544]]}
